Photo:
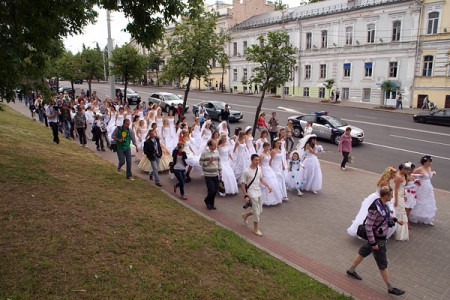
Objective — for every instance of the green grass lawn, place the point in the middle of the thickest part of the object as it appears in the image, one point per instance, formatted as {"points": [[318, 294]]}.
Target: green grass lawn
{"points": [[71, 227]]}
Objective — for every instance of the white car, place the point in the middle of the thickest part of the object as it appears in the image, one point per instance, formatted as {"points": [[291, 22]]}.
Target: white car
{"points": [[165, 100]]}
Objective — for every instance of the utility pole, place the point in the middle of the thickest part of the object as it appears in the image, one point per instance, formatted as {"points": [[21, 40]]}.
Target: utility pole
{"points": [[112, 79]]}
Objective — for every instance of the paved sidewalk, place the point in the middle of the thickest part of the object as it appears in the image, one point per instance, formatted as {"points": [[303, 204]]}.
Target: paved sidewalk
{"points": [[309, 233]]}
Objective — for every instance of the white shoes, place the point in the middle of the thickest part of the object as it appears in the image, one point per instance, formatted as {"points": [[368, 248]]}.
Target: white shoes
{"points": [[343, 169], [315, 192], [299, 193]]}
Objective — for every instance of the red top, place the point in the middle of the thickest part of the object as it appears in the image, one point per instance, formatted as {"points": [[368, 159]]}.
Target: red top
{"points": [[262, 122]]}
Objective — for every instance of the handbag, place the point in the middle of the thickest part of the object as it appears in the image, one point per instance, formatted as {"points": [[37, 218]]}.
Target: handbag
{"points": [[221, 186], [171, 167], [361, 231], [351, 159], [113, 147]]}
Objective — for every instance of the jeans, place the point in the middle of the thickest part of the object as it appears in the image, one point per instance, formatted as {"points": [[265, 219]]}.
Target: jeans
{"points": [[399, 104], [345, 159], [41, 115], [181, 177], [54, 127], [212, 183], [273, 135], [124, 154], [66, 128], [82, 135], [155, 169]]}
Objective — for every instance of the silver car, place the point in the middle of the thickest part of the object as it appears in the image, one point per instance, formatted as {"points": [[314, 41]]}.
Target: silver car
{"points": [[165, 100]]}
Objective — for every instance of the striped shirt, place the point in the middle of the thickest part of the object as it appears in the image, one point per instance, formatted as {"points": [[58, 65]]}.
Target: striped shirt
{"points": [[210, 169], [377, 224]]}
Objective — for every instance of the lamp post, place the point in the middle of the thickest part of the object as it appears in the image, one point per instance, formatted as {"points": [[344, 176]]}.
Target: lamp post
{"points": [[110, 49]]}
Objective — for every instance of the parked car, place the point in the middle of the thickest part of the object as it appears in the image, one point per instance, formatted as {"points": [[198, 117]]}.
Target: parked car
{"points": [[132, 96], [213, 109], [165, 100], [440, 117], [66, 89], [78, 81], [326, 127]]}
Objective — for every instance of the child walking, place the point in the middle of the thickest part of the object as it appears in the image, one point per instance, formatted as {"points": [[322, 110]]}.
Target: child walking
{"points": [[294, 177]]}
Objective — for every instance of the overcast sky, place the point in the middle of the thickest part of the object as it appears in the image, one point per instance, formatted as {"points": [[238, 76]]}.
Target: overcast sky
{"points": [[98, 32]]}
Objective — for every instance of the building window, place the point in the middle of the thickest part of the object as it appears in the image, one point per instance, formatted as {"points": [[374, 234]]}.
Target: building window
{"points": [[323, 71], [285, 90], [366, 95], [347, 70], [245, 47], [433, 20], [322, 92], [234, 74], [396, 28], [306, 92], [427, 65], [345, 93], [245, 74], [235, 49], [371, 33], [308, 72], [214, 63], [308, 40], [368, 69], [324, 39], [349, 35], [261, 42], [393, 69]]}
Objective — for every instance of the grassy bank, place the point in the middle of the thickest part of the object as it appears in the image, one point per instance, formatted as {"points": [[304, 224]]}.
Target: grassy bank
{"points": [[71, 227]]}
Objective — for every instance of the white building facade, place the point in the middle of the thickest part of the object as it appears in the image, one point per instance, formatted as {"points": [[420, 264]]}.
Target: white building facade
{"points": [[360, 44]]}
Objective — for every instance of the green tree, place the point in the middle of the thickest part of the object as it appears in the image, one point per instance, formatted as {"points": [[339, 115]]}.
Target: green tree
{"points": [[387, 87], [128, 64], [69, 67], [279, 5], [28, 31], [91, 65], [155, 60], [193, 45], [223, 61], [329, 85], [275, 59]]}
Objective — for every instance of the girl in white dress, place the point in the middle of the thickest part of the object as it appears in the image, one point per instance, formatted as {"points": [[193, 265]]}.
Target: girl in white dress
{"points": [[312, 172], [240, 156], [276, 196], [228, 178], [294, 177], [402, 233], [386, 177], [425, 210], [278, 167], [260, 142], [249, 141]]}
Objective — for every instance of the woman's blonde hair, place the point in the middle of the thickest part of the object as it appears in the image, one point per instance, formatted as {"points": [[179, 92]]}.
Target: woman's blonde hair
{"points": [[386, 176]]}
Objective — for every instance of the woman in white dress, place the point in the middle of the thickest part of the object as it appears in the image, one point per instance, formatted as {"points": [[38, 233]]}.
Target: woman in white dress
{"points": [[249, 141], [112, 115], [312, 172], [223, 128], [260, 142], [402, 233], [386, 177], [276, 196], [167, 136], [240, 156], [228, 178], [173, 129], [278, 167], [425, 210], [159, 120], [141, 134], [205, 134], [193, 157]]}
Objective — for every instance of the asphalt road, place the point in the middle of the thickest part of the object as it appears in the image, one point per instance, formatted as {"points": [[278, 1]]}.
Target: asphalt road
{"points": [[390, 138]]}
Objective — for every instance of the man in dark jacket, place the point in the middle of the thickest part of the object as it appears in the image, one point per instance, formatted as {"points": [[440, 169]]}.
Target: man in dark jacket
{"points": [[152, 149]]}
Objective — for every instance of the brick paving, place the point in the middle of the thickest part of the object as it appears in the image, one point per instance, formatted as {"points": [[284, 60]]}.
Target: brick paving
{"points": [[309, 233]]}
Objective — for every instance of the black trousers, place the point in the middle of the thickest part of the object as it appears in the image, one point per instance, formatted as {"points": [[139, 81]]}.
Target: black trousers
{"points": [[212, 184], [54, 126], [273, 135], [82, 135], [345, 159]]}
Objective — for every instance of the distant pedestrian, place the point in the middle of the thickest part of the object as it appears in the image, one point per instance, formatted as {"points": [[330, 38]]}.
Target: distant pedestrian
{"points": [[308, 129], [153, 151], [426, 103], [52, 115], [123, 137], [399, 101], [210, 162], [377, 224], [262, 125], [345, 146], [225, 116], [80, 122], [273, 126], [250, 186], [256, 89]]}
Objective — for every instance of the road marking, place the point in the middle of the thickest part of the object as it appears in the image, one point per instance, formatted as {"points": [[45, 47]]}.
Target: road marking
{"points": [[404, 150], [408, 138], [397, 127], [365, 117], [290, 110]]}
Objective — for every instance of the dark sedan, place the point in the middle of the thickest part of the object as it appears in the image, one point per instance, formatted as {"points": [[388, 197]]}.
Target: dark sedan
{"points": [[440, 117], [213, 109]]}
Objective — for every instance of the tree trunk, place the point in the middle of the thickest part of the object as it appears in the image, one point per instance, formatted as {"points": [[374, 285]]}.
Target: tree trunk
{"points": [[223, 74], [89, 84], [145, 79], [125, 91], [157, 78], [73, 87], [258, 111], [186, 92]]}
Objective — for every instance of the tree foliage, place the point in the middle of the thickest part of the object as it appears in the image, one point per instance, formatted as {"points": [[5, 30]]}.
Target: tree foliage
{"points": [[128, 64], [68, 66], [155, 60], [192, 47], [91, 65], [30, 30], [275, 59], [329, 85]]}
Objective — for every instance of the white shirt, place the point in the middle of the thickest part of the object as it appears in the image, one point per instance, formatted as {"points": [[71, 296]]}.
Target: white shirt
{"points": [[254, 191]]}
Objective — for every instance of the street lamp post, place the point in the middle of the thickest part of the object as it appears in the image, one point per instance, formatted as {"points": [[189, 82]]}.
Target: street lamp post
{"points": [[110, 49]]}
